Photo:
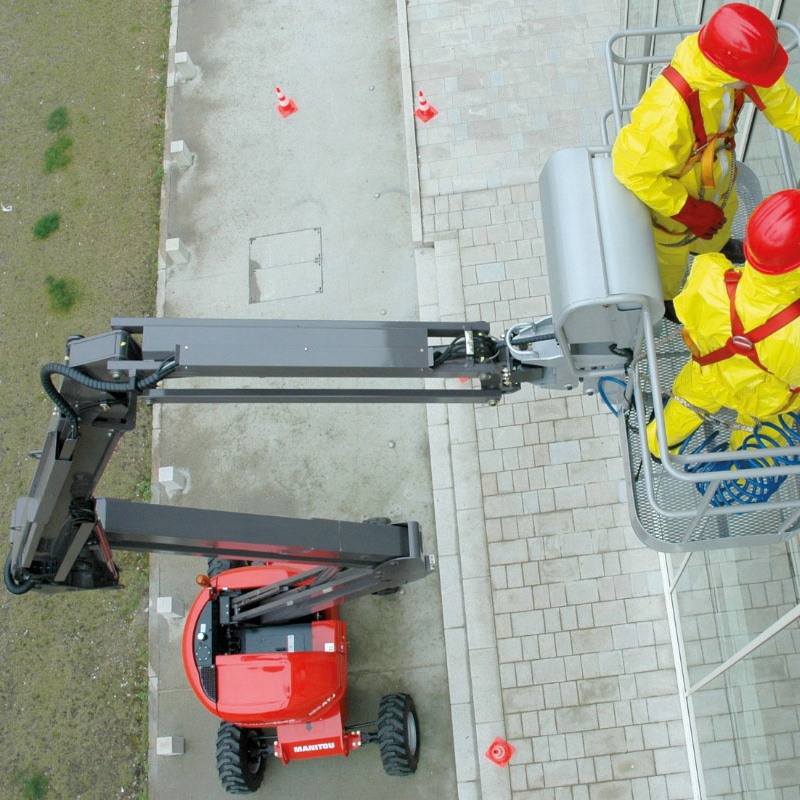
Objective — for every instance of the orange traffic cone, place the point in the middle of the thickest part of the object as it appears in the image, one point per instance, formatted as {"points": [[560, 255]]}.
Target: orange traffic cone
{"points": [[286, 106], [500, 752], [425, 111]]}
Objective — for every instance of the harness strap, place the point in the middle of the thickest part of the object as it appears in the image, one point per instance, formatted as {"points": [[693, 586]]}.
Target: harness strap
{"points": [[704, 149], [692, 99], [744, 343], [751, 92]]}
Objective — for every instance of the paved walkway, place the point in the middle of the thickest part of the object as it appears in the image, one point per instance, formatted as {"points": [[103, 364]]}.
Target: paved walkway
{"points": [[561, 637], [553, 612]]}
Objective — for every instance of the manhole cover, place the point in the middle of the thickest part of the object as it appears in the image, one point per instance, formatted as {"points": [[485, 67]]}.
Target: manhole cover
{"points": [[284, 265]]}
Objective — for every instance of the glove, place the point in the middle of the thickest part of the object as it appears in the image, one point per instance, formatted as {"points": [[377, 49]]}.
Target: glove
{"points": [[702, 217]]}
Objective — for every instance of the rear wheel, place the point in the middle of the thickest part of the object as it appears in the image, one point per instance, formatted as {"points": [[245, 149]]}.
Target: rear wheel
{"points": [[398, 734], [217, 565], [241, 758]]}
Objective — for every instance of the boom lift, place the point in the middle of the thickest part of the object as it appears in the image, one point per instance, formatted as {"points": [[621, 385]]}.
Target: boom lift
{"points": [[269, 606], [267, 611]]}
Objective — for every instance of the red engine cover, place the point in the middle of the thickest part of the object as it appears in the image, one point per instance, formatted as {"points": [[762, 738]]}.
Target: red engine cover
{"points": [[302, 678]]}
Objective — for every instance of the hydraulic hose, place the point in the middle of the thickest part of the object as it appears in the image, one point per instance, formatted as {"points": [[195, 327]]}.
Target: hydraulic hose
{"points": [[14, 586], [601, 390], [485, 349], [112, 387]]}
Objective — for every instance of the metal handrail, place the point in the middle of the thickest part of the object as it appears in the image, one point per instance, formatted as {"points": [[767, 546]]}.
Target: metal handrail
{"points": [[614, 59]]}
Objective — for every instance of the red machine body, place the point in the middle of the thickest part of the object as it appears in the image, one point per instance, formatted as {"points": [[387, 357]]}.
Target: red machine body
{"points": [[291, 677]]}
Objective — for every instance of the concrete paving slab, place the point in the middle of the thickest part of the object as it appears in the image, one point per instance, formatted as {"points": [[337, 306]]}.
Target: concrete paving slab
{"points": [[303, 218], [336, 169]]}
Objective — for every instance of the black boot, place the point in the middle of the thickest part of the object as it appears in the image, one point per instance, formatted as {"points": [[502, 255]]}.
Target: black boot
{"points": [[734, 251], [669, 312]]}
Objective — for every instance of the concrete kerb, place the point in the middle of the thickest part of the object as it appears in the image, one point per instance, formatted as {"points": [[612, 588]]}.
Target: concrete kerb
{"points": [[470, 641], [152, 668], [414, 200]]}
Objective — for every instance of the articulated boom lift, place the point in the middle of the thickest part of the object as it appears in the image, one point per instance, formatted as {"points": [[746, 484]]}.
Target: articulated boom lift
{"points": [[62, 536], [269, 606], [268, 609]]}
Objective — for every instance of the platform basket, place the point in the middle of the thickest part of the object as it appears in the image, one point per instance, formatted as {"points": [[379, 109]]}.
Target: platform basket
{"points": [[668, 511]]}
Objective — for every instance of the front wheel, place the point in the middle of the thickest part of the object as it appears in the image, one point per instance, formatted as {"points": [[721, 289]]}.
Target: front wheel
{"points": [[241, 758], [398, 734]]}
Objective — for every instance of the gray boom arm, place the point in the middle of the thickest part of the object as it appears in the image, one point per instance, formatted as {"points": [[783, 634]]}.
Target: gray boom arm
{"points": [[59, 541]]}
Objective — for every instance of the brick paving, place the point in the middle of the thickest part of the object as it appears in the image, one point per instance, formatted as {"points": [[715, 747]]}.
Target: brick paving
{"points": [[555, 618]]}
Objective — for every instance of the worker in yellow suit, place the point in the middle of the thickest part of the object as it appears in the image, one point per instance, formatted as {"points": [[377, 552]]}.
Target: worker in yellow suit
{"points": [[742, 327], [677, 153]]}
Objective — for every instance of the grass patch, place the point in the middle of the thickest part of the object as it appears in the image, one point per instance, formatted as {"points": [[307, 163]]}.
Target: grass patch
{"points": [[135, 578], [33, 786], [74, 677], [58, 155], [46, 225], [58, 120], [62, 292], [144, 489]]}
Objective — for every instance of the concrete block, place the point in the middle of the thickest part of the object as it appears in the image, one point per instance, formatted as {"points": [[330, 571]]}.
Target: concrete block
{"points": [[180, 154], [176, 251], [170, 746], [185, 69], [170, 607], [173, 480]]}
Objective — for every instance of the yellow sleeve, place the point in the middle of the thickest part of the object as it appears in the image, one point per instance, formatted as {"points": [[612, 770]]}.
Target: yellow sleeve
{"points": [[782, 107], [654, 148], [780, 352]]}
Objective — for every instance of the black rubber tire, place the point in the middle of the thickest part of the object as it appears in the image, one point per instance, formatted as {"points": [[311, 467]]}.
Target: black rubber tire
{"points": [[241, 760], [398, 734], [387, 592], [217, 565]]}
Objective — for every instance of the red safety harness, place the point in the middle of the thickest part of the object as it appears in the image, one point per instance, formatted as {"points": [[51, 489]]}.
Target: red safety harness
{"points": [[743, 343], [701, 150]]}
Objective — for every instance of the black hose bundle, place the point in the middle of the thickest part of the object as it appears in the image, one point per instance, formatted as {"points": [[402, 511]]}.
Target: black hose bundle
{"points": [[485, 349], [112, 387]]}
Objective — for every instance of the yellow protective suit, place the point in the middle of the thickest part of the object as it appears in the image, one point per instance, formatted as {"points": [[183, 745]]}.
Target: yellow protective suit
{"points": [[736, 382], [650, 153]]}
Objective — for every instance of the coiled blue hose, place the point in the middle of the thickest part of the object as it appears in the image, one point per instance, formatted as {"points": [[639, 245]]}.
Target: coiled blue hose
{"points": [[785, 432]]}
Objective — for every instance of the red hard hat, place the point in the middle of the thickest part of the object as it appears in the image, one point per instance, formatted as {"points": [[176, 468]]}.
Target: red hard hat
{"points": [[772, 238], [742, 41]]}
